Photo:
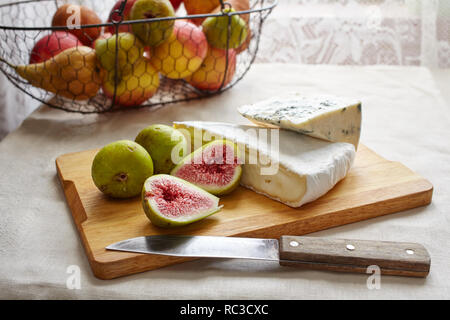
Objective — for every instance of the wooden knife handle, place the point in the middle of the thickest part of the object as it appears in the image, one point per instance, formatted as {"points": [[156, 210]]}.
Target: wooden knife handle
{"points": [[393, 258]]}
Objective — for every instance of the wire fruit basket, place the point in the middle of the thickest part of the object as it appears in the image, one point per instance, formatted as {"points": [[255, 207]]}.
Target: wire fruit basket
{"points": [[97, 56]]}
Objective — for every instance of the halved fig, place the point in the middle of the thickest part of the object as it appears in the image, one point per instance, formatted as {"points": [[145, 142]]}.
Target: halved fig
{"points": [[170, 201], [215, 167]]}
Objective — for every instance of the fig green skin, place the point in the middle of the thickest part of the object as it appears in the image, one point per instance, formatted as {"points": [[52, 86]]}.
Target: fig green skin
{"points": [[159, 140], [216, 31], [120, 169], [154, 33], [166, 222], [214, 189]]}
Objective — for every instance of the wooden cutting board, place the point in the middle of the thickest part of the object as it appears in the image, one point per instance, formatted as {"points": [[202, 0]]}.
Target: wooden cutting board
{"points": [[373, 187]]}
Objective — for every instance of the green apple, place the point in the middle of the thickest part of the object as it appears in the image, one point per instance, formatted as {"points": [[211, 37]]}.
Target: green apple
{"points": [[130, 50], [157, 32], [134, 88], [216, 30]]}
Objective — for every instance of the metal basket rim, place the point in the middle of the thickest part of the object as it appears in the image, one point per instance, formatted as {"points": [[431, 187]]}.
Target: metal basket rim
{"points": [[130, 22]]}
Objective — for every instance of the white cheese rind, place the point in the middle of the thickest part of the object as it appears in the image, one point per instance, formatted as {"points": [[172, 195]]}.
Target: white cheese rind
{"points": [[330, 118], [317, 164]]}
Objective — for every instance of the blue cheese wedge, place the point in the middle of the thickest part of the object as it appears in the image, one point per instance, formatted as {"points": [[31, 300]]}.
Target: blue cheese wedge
{"points": [[329, 118], [291, 168]]}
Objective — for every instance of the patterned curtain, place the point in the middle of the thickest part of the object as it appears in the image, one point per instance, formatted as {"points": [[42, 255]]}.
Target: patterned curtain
{"points": [[359, 32]]}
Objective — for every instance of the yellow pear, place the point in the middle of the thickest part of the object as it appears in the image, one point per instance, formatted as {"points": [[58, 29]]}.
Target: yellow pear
{"points": [[73, 73]]}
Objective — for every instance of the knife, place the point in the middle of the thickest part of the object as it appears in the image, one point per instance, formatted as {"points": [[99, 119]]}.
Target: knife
{"points": [[392, 258]]}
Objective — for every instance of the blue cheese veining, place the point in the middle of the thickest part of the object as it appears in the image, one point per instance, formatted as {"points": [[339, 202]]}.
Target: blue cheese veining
{"points": [[330, 118]]}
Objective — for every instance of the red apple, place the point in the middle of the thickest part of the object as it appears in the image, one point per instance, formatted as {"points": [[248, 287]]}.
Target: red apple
{"points": [[183, 53], [135, 88], [53, 44], [126, 14], [64, 17], [211, 74], [176, 4]]}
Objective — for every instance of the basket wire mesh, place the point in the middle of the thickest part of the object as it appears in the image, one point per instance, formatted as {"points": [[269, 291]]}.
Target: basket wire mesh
{"points": [[146, 62]]}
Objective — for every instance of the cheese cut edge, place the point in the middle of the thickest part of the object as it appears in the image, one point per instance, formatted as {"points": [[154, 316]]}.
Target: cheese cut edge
{"points": [[309, 186], [342, 123]]}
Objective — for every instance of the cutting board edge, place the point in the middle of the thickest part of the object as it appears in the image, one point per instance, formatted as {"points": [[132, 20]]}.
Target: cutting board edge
{"points": [[107, 270], [137, 263], [72, 196]]}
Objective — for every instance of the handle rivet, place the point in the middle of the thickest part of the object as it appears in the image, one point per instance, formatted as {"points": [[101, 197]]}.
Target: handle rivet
{"points": [[409, 251], [350, 247], [294, 244]]}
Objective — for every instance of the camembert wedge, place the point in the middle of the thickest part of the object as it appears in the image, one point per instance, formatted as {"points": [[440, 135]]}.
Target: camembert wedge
{"points": [[329, 118], [290, 167]]}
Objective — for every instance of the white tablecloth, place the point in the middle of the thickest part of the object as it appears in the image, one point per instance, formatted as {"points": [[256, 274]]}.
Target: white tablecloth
{"points": [[405, 119]]}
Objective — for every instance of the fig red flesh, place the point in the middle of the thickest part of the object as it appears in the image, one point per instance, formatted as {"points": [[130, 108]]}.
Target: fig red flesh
{"points": [[174, 200], [169, 201], [210, 167], [216, 167]]}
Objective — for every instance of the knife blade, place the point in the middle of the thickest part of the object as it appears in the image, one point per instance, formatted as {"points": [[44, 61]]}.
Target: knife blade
{"points": [[343, 255]]}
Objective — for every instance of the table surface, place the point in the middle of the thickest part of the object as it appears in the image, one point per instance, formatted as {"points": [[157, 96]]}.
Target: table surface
{"points": [[405, 118]]}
